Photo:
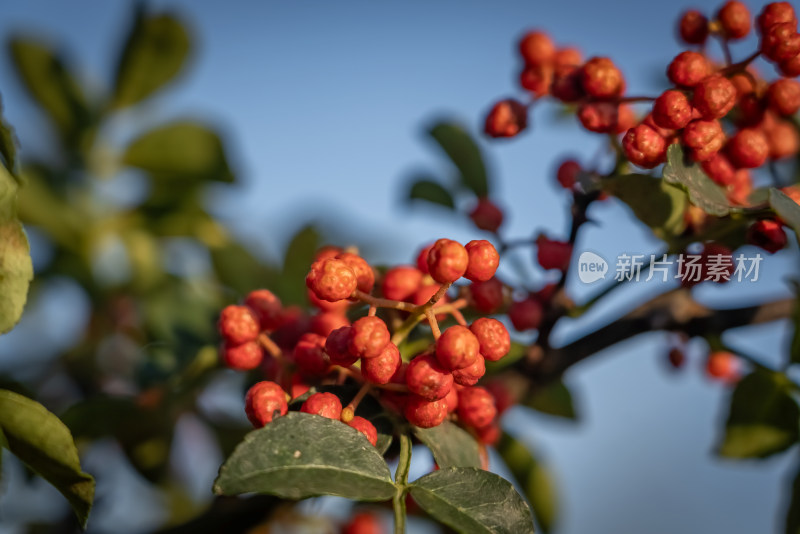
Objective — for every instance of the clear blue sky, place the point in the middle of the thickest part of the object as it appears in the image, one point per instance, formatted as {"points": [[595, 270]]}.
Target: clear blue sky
{"points": [[325, 105]]}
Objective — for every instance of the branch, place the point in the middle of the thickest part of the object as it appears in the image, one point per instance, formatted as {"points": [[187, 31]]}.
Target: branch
{"points": [[672, 311]]}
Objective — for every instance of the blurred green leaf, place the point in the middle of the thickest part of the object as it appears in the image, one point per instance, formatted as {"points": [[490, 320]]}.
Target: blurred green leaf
{"points": [[786, 208], [763, 418], [655, 202], [185, 151], [154, 53], [43, 442], [8, 146], [465, 155], [297, 260], [469, 499], [703, 192], [431, 191], [535, 479], [48, 80], [450, 444], [300, 455], [238, 269], [552, 399], [16, 268]]}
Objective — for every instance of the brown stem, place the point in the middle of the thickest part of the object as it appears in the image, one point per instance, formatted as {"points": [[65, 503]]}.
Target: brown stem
{"points": [[383, 303], [431, 316], [270, 346]]}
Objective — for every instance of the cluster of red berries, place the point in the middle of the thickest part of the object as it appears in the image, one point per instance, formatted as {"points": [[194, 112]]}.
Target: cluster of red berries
{"points": [[347, 339], [756, 127], [720, 365]]}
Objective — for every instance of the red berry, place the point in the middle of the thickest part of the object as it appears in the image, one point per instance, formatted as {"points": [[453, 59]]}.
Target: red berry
{"points": [[566, 85], [536, 48], [469, 376], [599, 117], [601, 78], [722, 365], [776, 13], [783, 140], [381, 369], [483, 260], [365, 276], [331, 280], [688, 69], [366, 428], [364, 523], [425, 413], [748, 148], [644, 147], [293, 324], [336, 345], [476, 407], [741, 188], [266, 306], [503, 398], [486, 215], [626, 119], [244, 357], [714, 97], [693, 27], [567, 173], [425, 293], [783, 96], [427, 378], [492, 336], [790, 67], [767, 234], [368, 337], [487, 297], [457, 348], [340, 306], [676, 358], [703, 138], [537, 79], [552, 254], [324, 404], [327, 252], [719, 169], [507, 118], [324, 323], [447, 261], [734, 17], [400, 282], [490, 434], [310, 355], [262, 401], [525, 314], [422, 258], [781, 42], [451, 400], [672, 110], [238, 324], [667, 133]]}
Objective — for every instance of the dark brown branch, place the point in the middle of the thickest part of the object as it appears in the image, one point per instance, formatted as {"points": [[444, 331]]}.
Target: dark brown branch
{"points": [[673, 311]]}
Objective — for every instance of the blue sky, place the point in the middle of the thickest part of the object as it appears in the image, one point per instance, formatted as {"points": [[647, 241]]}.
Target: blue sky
{"points": [[324, 106]]}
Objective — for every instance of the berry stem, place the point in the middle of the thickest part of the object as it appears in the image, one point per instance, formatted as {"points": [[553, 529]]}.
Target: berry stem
{"points": [[401, 481], [270, 346], [359, 396], [459, 317], [740, 66], [383, 303], [433, 322], [372, 311], [438, 295], [726, 49]]}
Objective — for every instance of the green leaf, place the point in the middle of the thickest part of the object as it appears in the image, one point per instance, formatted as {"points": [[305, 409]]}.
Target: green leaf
{"points": [[237, 268], [431, 191], [16, 268], [154, 53], [792, 525], [553, 399], [183, 150], [535, 479], [786, 208], [49, 82], [8, 146], [465, 154], [763, 417], [656, 203], [297, 260], [451, 446], [301, 455], [471, 500], [703, 192], [43, 442]]}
